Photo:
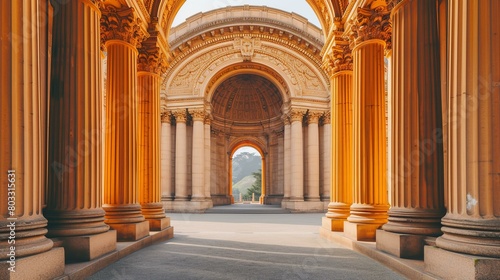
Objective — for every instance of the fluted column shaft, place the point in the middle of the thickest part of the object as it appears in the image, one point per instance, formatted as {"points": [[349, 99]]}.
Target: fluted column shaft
{"points": [[417, 180], [313, 156], [369, 138], [121, 161], [342, 149], [166, 158], [198, 162], [148, 90], [207, 158], [181, 191], [75, 173], [287, 157], [23, 103], [297, 156], [472, 222]]}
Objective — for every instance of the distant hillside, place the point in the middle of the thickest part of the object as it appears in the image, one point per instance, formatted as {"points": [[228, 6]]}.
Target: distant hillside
{"points": [[244, 165], [243, 185]]}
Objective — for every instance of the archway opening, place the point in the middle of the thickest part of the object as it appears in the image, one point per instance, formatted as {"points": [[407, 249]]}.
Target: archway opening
{"points": [[246, 174]]}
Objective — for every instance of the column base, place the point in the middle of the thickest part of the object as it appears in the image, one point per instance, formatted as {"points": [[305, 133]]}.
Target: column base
{"points": [[407, 246], [158, 224], [46, 265], [360, 232], [451, 265], [187, 206], [88, 247], [304, 206], [132, 231], [332, 224]]}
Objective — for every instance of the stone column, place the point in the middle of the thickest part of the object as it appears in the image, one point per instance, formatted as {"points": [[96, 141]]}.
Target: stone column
{"points": [[326, 154], [167, 191], [313, 156], [208, 161], [287, 155], [121, 34], [74, 196], [417, 153], [22, 102], [341, 195], [151, 63], [198, 162], [471, 226], [297, 156], [181, 191], [369, 209]]}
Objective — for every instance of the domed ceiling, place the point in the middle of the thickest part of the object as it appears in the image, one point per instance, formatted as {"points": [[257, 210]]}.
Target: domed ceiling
{"points": [[247, 98]]}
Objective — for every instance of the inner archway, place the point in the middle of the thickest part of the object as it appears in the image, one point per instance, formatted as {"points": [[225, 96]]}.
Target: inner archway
{"points": [[247, 162]]}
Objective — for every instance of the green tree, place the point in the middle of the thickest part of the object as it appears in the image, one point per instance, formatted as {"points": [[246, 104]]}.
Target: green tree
{"points": [[256, 186]]}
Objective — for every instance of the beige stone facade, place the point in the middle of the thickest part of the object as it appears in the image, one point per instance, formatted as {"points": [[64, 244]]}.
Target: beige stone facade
{"points": [[386, 119]]}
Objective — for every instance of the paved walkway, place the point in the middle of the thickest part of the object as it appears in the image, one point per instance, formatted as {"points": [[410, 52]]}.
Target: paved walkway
{"points": [[224, 245]]}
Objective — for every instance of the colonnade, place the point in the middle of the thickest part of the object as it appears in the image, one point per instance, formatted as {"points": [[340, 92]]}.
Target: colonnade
{"points": [[91, 200], [444, 146], [302, 172], [182, 196]]}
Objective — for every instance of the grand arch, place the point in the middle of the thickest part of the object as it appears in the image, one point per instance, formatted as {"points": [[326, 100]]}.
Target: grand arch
{"points": [[90, 176], [247, 76]]}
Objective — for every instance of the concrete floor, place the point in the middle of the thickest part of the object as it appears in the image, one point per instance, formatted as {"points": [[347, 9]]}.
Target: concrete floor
{"points": [[266, 243]]}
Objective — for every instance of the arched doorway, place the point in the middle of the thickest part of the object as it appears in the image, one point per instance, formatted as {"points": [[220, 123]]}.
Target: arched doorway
{"points": [[246, 111], [247, 168]]}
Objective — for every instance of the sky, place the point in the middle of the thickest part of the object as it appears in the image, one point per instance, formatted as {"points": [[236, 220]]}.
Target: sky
{"points": [[246, 149], [192, 7]]}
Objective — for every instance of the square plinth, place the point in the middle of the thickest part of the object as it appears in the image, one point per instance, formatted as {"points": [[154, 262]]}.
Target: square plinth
{"points": [[159, 224], [451, 265], [131, 232], [406, 246], [88, 247], [332, 224], [360, 232], [46, 265]]}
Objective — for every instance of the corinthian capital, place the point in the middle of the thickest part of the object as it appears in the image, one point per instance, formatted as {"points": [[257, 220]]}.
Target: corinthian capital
{"points": [[151, 60], [121, 24], [297, 115], [372, 23]]}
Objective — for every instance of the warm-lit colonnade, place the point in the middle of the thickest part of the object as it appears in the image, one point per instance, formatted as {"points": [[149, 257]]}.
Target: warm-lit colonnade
{"points": [[244, 75], [81, 186], [443, 162], [52, 74]]}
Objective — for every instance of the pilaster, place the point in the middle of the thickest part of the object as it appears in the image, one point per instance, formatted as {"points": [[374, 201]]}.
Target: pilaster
{"points": [[167, 190], [313, 156], [207, 158], [74, 194], [287, 158], [369, 209], [23, 103], [417, 166], [297, 155], [472, 223], [326, 154], [181, 191], [198, 161], [150, 65], [121, 34]]}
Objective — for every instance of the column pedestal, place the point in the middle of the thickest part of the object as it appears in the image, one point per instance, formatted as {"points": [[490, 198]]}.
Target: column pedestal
{"points": [[23, 103], [370, 203], [121, 33], [74, 193]]}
